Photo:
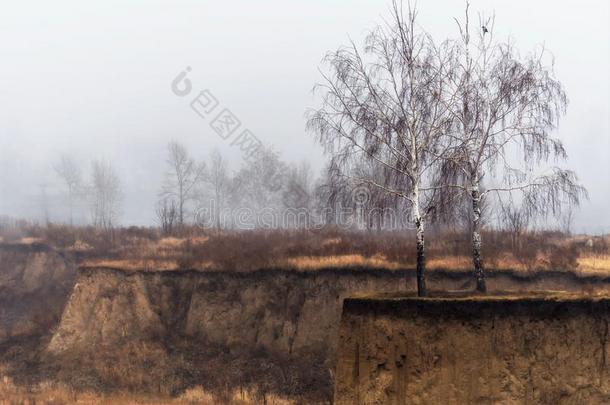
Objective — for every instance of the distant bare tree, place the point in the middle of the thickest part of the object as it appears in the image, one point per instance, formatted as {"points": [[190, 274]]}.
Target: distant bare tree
{"points": [[260, 182], [384, 105], [106, 195], [459, 213], [219, 182], [515, 220], [329, 194], [167, 215], [380, 208], [297, 194], [183, 179], [70, 173], [44, 203], [566, 221], [505, 105], [369, 207]]}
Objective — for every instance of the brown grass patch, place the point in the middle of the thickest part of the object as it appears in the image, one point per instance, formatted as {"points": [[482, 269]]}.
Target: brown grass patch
{"points": [[378, 261], [29, 240], [594, 264], [139, 248], [146, 265], [128, 264], [52, 393], [457, 263]]}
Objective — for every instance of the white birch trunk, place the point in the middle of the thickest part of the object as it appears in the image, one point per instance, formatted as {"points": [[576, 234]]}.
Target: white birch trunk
{"points": [[479, 271], [421, 260]]}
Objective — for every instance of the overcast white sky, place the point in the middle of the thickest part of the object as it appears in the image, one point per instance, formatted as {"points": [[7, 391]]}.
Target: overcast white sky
{"points": [[93, 79]]}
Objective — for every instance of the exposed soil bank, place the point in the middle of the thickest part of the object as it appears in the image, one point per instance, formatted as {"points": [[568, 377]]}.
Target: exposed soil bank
{"points": [[283, 311], [225, 327], [35, 283], [158, 331], [280, 310], [481, 350]]}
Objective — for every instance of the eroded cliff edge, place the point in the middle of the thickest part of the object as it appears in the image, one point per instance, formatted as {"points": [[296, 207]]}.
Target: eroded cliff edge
{"points": [[277, 310], [542, 349], [232, 325], [35, 284], [282, 310], [273, 330]]}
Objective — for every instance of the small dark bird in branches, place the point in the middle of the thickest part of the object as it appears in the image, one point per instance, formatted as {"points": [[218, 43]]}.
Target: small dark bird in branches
{"points": [[485, 30]]}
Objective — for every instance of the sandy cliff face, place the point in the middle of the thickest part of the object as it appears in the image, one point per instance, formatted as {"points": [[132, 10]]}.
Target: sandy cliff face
{"points": [[273, 330], [276, 329], [284, 311], [35, 282], [280, 311], [108, 308], [537, 351]]}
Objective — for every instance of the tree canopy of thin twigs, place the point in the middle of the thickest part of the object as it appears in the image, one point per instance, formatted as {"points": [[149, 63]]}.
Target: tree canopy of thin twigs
{"points": [[383, 104], [70, 173], [505, 108]]}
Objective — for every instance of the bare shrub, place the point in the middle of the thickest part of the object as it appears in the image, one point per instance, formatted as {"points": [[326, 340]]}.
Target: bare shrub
{"points": [[167, 215], [563, 258], [527, 255], [60, 236], [600, 246]]}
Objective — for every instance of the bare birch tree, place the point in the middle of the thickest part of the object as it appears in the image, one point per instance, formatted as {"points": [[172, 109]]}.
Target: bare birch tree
{"points": [[505, 107], [219, 182], [70, 173], [515, 220], [106, 195], [183, 179], [297, 195], [383, 105], [167, 215], [370, 207], [259, 183]]}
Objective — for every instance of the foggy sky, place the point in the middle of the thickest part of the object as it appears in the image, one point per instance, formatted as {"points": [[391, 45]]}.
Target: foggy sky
{"points": [[93, 80]]}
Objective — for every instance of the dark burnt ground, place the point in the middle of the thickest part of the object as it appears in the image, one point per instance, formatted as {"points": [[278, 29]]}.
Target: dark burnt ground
{"points": [[471, 305]]}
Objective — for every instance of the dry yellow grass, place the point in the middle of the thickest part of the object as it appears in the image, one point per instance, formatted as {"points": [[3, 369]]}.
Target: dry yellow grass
{"points": [[48, 393], [136, 265], [594, 264], [331, 241], [451, 263], [80, 246], [128, 264], [172, 242], [29, 240], [198, 395], [458, 263], [591, 265], [316, 263]]}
